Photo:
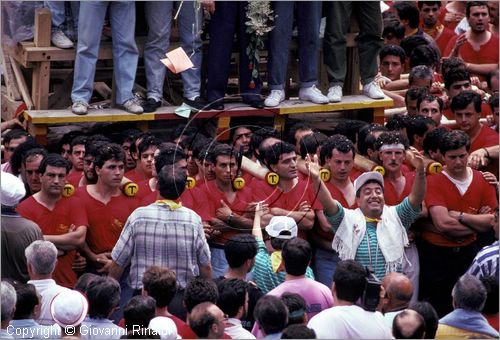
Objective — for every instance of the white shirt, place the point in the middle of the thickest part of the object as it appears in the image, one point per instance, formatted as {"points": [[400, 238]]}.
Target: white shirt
{"points": [[47, 289], [349, 322], [389, 317], [236, 330]]}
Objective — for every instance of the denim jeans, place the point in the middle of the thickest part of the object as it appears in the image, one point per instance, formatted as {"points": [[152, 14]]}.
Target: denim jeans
{"points": [[325, 262], [308, 17], [58, 13], [125, 52], [159, 19], [369, 40], [219, 262]]}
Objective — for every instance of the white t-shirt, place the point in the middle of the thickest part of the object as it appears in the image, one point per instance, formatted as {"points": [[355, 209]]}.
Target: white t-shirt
{"points": [[236, 330], [350, 322], [48, 289]]}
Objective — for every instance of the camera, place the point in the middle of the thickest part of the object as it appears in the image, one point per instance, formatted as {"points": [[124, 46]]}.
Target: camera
{"points": [[371, 294]]}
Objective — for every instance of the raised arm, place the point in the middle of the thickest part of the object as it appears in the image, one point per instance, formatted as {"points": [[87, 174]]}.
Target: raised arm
{"points": [[417, 193]]}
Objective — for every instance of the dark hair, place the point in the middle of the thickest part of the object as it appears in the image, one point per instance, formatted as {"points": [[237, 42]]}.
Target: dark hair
{"points": [[108, 152], [171, 182], [199, 144], [493, 101], [469, 293], [200, 290], [310, 143], [127, 136], [430, 98], [148, 142], [135, 138], [414, 93], [169, 154], [160, 283], [418, 125], [26, 300], [297, 307], [474, 4], [139, 311], [420, 72], [271, 314], [433, 138], [274, 152], [397, 122], [16, 160], [55, 160], [296, 254], [349, 128], [420, 3], [454, 75], [490, 75], [14, 134], [103, 295], [240, 248], [391, 137], [221, 150], [335, 142], [425, 55], [365, 138], [297, 127], [430, 316], [464, 99], [399, 332], [259, 136], [298, 332], [201, 320], [393, 28], [78, 140], [93, 148], [408, 44], [451, 63], [34, 152], [392, 50], [491, 284], [407, 11], [83, 282], [232, 295], [454, 140], [350, 280]]}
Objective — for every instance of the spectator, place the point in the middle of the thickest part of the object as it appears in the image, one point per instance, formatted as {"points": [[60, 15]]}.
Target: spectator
{"points": [[395, 295], [207, 321], [139, 311], [430, 316], [59, 22], [297, 308], [347, 320], [469, 297], [431, 107], [409, 324], [145, 163], [164, 327], [11, 140], [271, 315], [8, 300], [417, 128], [69, 309], [76, 156], [392, 60], [29, 170], [17, 232], [411, 98], [297, 132], [429, 14], [421, 76], [485, 263], [298, 332]]}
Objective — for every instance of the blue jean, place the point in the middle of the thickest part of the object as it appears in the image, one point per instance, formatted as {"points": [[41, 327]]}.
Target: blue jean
{"points": [[219, 262], [125, 52], [159, 20], [308, 20], [325, 263], [58, 12]]}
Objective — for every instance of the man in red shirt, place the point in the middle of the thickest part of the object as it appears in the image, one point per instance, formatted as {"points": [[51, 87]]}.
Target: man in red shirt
{"points": [[60, 218], [460, 202], [76, 155], [29, 169], [429, 13], [144, 167], [478, 47], [432, 107]]}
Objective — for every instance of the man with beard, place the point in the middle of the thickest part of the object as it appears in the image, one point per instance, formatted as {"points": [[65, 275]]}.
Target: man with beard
{"points": [[60, 218], [241, 139]]}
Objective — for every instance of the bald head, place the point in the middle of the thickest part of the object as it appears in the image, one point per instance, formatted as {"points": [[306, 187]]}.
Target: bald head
{"points": [[207, 321], [398, 292], [408, 325]]}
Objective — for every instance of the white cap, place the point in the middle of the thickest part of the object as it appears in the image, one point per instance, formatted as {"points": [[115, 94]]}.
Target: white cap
{"points": [[69, 308], [368, 176], [165, 327], [13, 189], [279, 224]]}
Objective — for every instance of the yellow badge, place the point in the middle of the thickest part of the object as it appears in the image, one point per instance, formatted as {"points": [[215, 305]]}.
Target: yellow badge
{"points": [[130, 189], [239, 183], [68, 190], [380, 169], [272, 178], [190, 182], [325, 175], [434, 168]]}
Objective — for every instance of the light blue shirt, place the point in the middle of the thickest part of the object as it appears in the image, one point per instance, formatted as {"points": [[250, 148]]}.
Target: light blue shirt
{"points": [[30, 329]]}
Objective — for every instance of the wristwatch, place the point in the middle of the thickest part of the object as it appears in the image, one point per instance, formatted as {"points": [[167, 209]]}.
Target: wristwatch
{"points": [[461, 218]]}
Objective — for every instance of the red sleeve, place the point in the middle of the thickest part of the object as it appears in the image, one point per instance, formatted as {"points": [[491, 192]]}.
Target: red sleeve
{"points": [[450, 46], [436, 191]]}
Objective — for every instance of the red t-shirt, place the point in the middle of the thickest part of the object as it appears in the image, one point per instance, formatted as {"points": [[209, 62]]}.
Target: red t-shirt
{"points": [[390, 195], [444, 38], [105, 221], [485, 111], [487, 137], [135, 176], [442, 192], [56, 222], [450, 24], [74, 178]]}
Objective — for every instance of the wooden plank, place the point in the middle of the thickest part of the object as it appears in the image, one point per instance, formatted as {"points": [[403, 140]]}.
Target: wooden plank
{"points": [[347, 103], [223, 125], [100, 115], [9, 77], [8, 105], [21, 83], [40, 86], [42, 28]]}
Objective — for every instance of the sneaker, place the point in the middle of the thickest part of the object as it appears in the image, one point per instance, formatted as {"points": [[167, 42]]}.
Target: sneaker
{"points": [[335, 94], [59, 39], [274, 98], [132, 107], [197, 103], [373, 91], [80, 108], [313, 94], [150, 105]]}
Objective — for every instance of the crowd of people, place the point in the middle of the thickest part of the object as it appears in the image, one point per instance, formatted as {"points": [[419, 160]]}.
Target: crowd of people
{"points": [[369, 231]]}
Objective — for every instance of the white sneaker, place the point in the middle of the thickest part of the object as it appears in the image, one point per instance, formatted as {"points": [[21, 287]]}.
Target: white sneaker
{"points": [[373, 91], [132, 106], [80, 108], [59, 39], [274, 98], [313, 94], [335, 94]]}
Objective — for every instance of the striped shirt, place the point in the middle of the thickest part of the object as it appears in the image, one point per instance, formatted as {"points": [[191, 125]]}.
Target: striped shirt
{"points": [[486, 262], [158, 235], [372, 255]]}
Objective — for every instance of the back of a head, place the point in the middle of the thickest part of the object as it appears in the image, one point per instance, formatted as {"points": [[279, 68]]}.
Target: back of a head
{"points": [[297, 308], [103, 294], [161, 284], [430, 316], [469, 293], [408, 11], [139, 311], [41, 256], [408, 324], [201, 319], [169, 154], [350, 280], [464, 99], [8, 301], [350, 128], [298, 332], [309, 143], [232, 296], [398, 288], [240, 248], [200, 290], [171, 182], [26, 301], [296, 254], [83, 282], [271, 314]]}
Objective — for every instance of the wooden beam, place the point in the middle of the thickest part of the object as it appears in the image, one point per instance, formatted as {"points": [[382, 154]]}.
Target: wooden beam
{"points": [[40, 86], [9, 105], [42, 29], [10, 78], [21, 83]]}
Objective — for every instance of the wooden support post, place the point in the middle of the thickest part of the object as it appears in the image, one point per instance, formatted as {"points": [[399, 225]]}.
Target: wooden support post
{"points": [[279, 123], [10, 78], [39, 131], [21, 83], [40, 87], [378, 115], [223, 128], [42, 30]]}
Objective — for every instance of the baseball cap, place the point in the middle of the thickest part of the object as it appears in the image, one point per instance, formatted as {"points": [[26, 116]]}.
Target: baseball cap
{"points": [[280, 225], [13, 189], [69, 308], [368, 176], [165, 327]]}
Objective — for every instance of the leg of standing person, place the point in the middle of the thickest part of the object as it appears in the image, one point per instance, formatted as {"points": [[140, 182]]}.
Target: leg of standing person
{"points": [[125, 53], [58, 15], [159, 20], [91, 21], [325, 263]]}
